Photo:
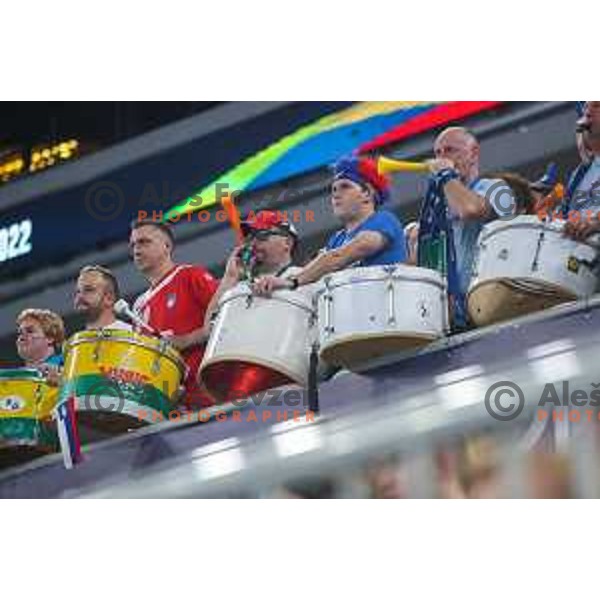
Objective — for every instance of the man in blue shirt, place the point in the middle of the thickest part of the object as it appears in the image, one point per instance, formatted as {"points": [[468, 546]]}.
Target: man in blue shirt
{"points": [[370, 235], [583, 193]]}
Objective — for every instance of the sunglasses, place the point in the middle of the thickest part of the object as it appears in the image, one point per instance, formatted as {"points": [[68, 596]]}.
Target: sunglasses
{"points": [[265, 234]]}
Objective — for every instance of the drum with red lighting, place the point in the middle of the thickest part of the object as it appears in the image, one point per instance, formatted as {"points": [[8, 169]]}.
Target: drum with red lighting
{"points": [[259, 343]]}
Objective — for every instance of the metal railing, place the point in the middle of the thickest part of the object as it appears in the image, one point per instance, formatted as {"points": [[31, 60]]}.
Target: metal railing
{"points": [[451, 409]]}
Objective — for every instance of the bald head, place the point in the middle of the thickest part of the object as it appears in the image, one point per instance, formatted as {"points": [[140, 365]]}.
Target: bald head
{"points": [[460, 146], [460, 135]]}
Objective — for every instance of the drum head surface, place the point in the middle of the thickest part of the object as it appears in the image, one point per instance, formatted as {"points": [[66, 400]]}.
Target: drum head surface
{"points": [[502, 300], [355, 351]]}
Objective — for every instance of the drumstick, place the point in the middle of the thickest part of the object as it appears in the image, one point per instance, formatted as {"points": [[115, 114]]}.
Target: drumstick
{"points": [[234, 219]]}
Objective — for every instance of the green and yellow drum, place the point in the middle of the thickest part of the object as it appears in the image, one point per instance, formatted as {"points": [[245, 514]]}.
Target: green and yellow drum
{"points": [[27, 429], [120, 380]]}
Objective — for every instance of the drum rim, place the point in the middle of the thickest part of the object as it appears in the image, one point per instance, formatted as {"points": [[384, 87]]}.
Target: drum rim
{"points": [[508, 280], [24, 375], [235, 294], [108, 335], [491, 229], [326, 349], [175, 358], [130, 409], [387, 334], [392, 267], [440, 284], [401, 268]]}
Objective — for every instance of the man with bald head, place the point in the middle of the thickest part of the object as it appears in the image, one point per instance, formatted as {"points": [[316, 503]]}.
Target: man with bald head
{"points": [[458, 204]]}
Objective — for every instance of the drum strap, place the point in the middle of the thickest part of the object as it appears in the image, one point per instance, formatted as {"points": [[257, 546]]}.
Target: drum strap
{"points": [[283, 269], [574, 182], [313, 381], [437, 250], [143, 301]]}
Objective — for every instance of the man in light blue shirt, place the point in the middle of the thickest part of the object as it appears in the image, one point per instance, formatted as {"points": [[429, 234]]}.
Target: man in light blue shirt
{"points": [[465, 202], [584, 188]]}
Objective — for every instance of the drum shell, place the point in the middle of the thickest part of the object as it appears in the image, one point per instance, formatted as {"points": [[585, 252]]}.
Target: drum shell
{"points": [[379, 310], [508, 250], [525, 265], [275, 334], [27, 429], [132, 377]]}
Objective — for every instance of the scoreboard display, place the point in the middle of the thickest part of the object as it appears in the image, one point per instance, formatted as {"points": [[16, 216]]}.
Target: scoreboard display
{"points": [[15, 240], [17, 226], [15, 163], [61, 224]]}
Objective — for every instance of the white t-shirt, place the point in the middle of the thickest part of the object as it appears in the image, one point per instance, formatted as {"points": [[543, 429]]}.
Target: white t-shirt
{"points": [[118, 325], [304, 290], [291, 271]]}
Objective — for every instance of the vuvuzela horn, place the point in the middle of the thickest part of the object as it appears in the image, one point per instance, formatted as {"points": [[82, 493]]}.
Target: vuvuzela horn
{"points": [[389, 165]]}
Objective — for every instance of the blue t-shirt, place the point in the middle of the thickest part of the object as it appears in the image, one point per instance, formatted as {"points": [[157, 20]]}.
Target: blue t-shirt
{"points": [[385, 223], [56, 360]]}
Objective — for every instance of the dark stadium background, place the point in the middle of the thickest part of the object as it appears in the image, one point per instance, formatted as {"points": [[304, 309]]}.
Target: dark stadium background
{"points": [[211, 137]]}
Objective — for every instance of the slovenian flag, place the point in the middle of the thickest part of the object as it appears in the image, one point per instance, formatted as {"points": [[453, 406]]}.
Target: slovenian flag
{"points": [[68, 434]]}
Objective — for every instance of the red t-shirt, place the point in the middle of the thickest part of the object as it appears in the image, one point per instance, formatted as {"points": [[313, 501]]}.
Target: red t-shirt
{"points": [[177, 305]]}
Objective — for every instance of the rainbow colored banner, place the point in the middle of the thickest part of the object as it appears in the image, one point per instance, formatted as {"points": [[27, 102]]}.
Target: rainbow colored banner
{"points": [[364, 127]]}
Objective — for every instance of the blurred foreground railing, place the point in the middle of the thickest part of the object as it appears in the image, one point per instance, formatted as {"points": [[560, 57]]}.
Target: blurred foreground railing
{"points": [[449, 411]]}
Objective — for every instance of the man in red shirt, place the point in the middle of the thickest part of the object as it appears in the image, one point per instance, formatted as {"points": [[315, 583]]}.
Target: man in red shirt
{"points": [[176, 303]]}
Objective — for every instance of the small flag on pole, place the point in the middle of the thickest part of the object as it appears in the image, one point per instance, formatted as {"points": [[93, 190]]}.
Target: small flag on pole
{"points": [[68, 435], [234, 218]]}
